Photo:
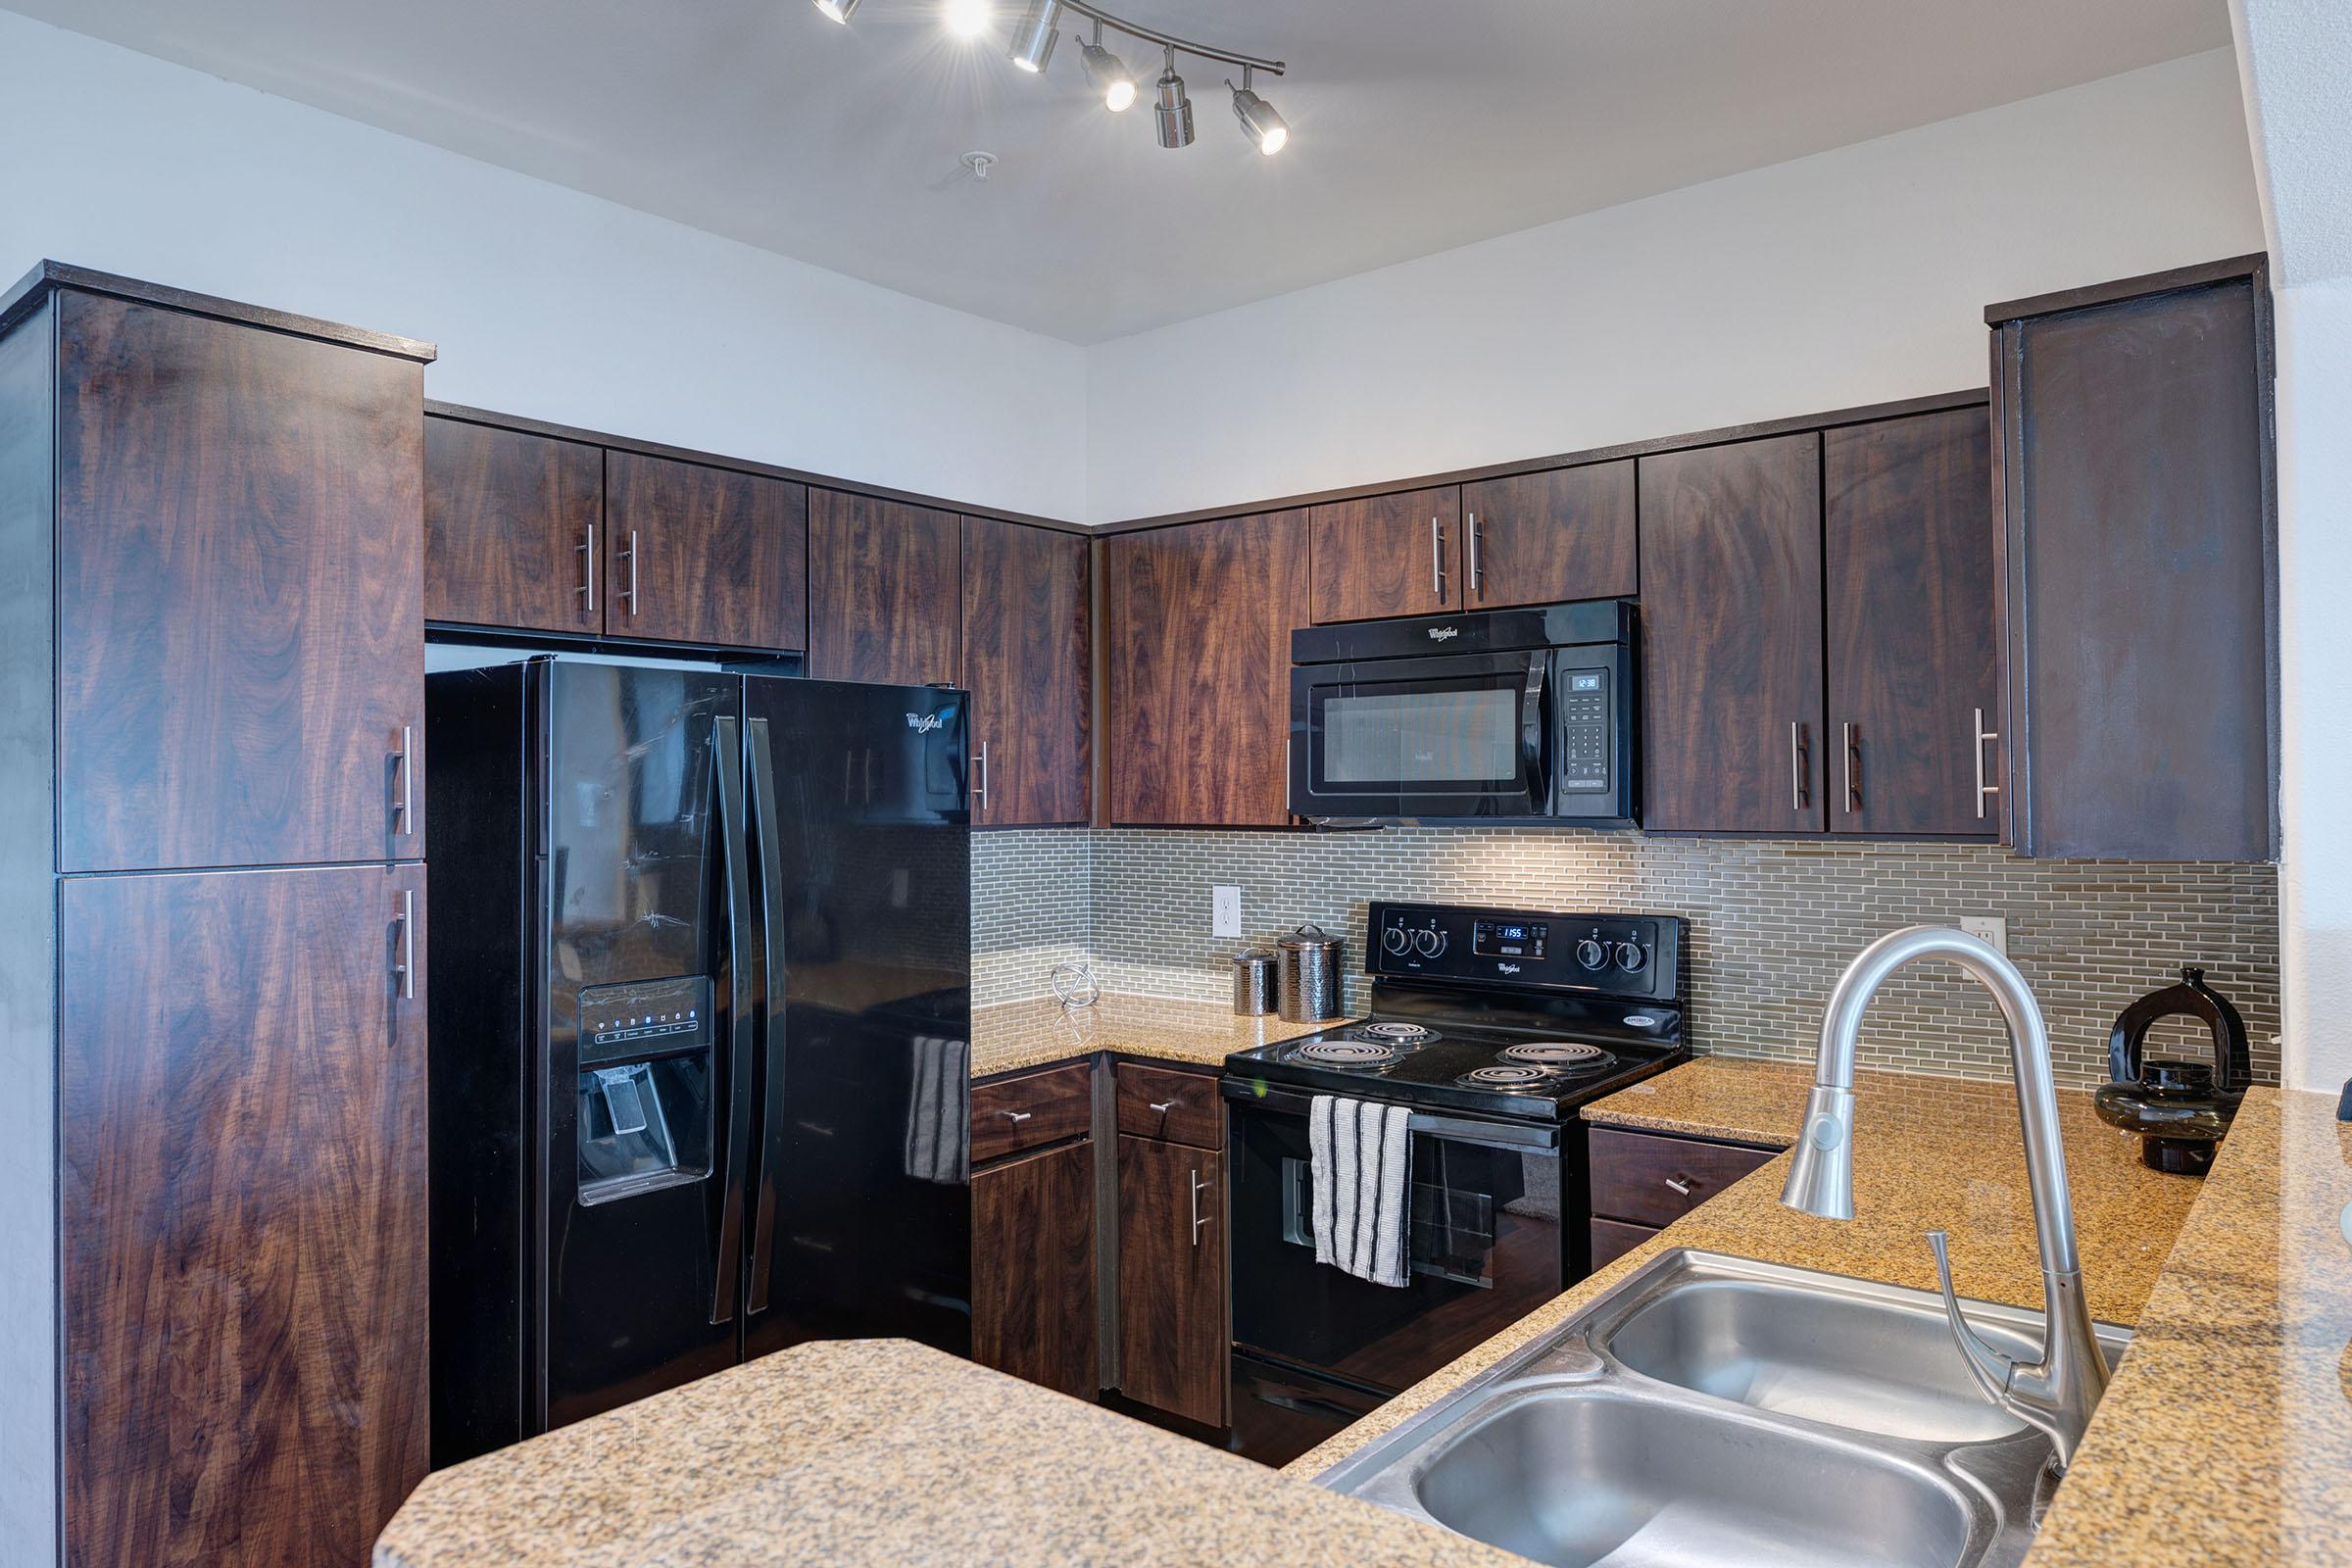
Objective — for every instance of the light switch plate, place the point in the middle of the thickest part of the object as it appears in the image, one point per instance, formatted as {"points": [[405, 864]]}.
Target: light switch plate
{"points": [[1992, 928], [1224, 910]]}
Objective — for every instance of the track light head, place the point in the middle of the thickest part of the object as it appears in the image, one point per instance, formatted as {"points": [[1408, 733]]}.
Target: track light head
{"points": [[1174, 111], [1108, 73], [1033, 38], [838, 9], [967, 19], [1259, 122]]}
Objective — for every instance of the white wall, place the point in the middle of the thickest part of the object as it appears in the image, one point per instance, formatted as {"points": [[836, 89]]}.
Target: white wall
{"points": [[543, 301], [1848, 278], [2297, 59]]}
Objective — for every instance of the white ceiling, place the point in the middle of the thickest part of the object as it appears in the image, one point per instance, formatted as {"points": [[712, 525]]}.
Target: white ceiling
{"points": [[1417, 127]]}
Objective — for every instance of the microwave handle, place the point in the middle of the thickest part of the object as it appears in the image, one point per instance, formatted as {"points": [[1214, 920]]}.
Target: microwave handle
{"points": [[1533, 730]]}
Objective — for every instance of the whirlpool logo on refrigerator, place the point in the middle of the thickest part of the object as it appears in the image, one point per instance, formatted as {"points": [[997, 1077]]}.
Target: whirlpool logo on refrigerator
{"points": [[924, 723]]}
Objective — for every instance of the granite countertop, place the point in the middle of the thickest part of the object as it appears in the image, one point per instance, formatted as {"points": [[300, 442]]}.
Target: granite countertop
{"points": [[1012, 1035], [1928, 1152], [887, 1453]]}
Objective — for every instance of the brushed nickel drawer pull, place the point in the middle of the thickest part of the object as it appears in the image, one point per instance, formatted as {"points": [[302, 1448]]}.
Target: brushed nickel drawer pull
{"points": [[1016, 1116], [1680, 1184], [1163, 1107]]}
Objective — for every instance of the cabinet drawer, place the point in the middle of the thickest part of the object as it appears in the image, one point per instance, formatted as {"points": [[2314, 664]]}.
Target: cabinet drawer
{"points": [[1180, 1106], [1012, 1115], [1611, 1240], [1646, 1179]]}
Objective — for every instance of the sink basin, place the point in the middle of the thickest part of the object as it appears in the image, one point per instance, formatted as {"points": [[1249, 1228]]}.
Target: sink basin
{"points": [[1846, 1360], [1713, 1410], [1590, 1476]]}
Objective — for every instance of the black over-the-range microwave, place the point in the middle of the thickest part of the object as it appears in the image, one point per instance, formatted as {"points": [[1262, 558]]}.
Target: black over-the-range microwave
{"points": [[1494, 716]]}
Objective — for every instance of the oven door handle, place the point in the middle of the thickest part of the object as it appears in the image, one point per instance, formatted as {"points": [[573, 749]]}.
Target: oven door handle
{"points": [[1533, 730], [1248, 1095]]}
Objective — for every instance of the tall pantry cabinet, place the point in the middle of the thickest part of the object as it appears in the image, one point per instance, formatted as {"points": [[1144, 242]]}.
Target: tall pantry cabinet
{"points": [[211, 988]]}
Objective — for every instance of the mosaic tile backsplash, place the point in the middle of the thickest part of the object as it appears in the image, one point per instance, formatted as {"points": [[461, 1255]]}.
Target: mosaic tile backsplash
{"points": [[1772, 923]]}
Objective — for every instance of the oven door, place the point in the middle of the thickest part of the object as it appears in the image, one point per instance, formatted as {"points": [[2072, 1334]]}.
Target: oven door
{"points": [[1463, 736], [1496, 1214]]}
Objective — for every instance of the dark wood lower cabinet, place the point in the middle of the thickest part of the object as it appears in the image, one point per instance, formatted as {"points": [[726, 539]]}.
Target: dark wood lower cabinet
{"points": [[1613, 1239], [241, 1118], [1647, 1180], [1174, 1345], [1033, 1269]]}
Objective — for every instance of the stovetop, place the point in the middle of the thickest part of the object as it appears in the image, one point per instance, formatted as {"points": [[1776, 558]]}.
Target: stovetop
{"points": [[1533, 1073]]}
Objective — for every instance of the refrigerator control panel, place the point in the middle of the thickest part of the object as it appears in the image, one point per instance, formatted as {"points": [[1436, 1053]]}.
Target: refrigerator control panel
{"points": [[644, 1018]]}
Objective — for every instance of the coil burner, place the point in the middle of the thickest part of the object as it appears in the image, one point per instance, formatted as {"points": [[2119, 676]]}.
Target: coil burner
{"points": [[1506, 1078], [1552, 1053], [1393, 1034], [1347, 1053]]}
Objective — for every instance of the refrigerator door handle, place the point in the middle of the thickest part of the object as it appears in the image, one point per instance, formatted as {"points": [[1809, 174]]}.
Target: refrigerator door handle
{"points": [[771, 925], [727, 1244]]}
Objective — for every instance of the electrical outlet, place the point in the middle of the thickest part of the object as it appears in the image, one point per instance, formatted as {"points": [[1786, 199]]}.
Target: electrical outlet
{"points": [[1992, 928], [1224, 910]]}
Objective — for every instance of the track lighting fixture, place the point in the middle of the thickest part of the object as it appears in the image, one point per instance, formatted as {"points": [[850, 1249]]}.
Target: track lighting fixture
{"points": [[1108, 73], [1259, 122], [1174, 111], [1033, 39], [1031, 46]]}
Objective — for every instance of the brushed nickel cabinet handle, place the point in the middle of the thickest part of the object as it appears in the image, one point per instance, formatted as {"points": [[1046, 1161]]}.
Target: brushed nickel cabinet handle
{"points": [[980, 776], [1437, 558], [404, 804], [1983, 736], [1163, 1107], [1199, 1220], [1800, 772], [404, 970], [1478, 574], [628, 595], [1847, 743], [586, 549], [1016, 1118], [1680, 1184]]}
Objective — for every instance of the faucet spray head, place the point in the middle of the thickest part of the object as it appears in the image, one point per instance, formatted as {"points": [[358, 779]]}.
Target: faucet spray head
{"points": [[1821, 1178]]}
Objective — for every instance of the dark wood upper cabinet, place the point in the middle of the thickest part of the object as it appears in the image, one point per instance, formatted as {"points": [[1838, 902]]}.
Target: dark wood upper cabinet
{"points": [[2140, 533], [1196, 658], [1174, 1348], [239, 590], [884, 597], [1913, 627], [1731, 633], [695, 554], [1391, 555], [1541, 538], [1027, 658], [1033, 1269], [241, 1114], [510, 523]]}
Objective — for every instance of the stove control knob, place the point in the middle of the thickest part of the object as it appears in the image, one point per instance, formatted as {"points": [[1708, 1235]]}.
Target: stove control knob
{"points": [[1394, 939], [1428, 941], [1630, 957], [1591, 953]]}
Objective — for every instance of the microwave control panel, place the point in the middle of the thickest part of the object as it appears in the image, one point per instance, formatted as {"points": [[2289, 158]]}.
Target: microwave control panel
{"points": [[644, 1018], [1585, 720]]}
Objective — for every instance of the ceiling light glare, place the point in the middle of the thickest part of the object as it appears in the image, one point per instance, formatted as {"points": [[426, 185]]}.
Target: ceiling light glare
{"points": [[1259, 122], [1033, 39], [968, 19], [838, 9], [1107, 74], [1174, 111]]}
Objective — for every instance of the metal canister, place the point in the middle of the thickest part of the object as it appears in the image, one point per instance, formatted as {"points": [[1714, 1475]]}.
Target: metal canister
{"points": [[1309, 975], [1254, 981]]}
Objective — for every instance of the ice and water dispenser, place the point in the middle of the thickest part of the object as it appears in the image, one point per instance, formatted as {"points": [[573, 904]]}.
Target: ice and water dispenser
{"points": [[645, 1084]]}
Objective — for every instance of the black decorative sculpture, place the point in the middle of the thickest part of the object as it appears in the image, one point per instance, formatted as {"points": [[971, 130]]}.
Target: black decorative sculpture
{"points": [[2179, 1109]]}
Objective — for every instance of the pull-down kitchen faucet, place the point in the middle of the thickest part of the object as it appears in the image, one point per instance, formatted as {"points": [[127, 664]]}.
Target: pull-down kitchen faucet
{"points": [[2058, 1393]]}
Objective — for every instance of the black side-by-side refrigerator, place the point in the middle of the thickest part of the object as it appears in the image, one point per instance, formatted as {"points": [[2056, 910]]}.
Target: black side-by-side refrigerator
{"points": [[699, 1022]]}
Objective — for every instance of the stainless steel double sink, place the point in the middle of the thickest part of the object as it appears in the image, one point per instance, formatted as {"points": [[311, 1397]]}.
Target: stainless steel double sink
{"points": [[1716, 1411]]}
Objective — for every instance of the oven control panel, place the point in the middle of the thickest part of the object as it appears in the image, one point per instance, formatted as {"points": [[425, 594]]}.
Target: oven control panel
{"points": [[1638, 957]]}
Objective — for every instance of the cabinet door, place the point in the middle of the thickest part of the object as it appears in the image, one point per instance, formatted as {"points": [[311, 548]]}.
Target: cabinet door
{"points": [[509, 529], [241, 1116], [240, 591], [1198, 659], [1541, 538], [695, 554], [1908, 546], [1731, 636], [1175, 1350], [1026, 652], [1033, 1269], [1394, 555], [884, 597]]}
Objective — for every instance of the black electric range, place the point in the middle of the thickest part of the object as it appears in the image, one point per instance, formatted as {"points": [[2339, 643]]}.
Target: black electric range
{"points": [[1491, 1027]]}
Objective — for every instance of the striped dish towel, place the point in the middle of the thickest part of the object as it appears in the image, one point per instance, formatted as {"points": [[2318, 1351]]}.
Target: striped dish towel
{"points": [[1358, 1167]]}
